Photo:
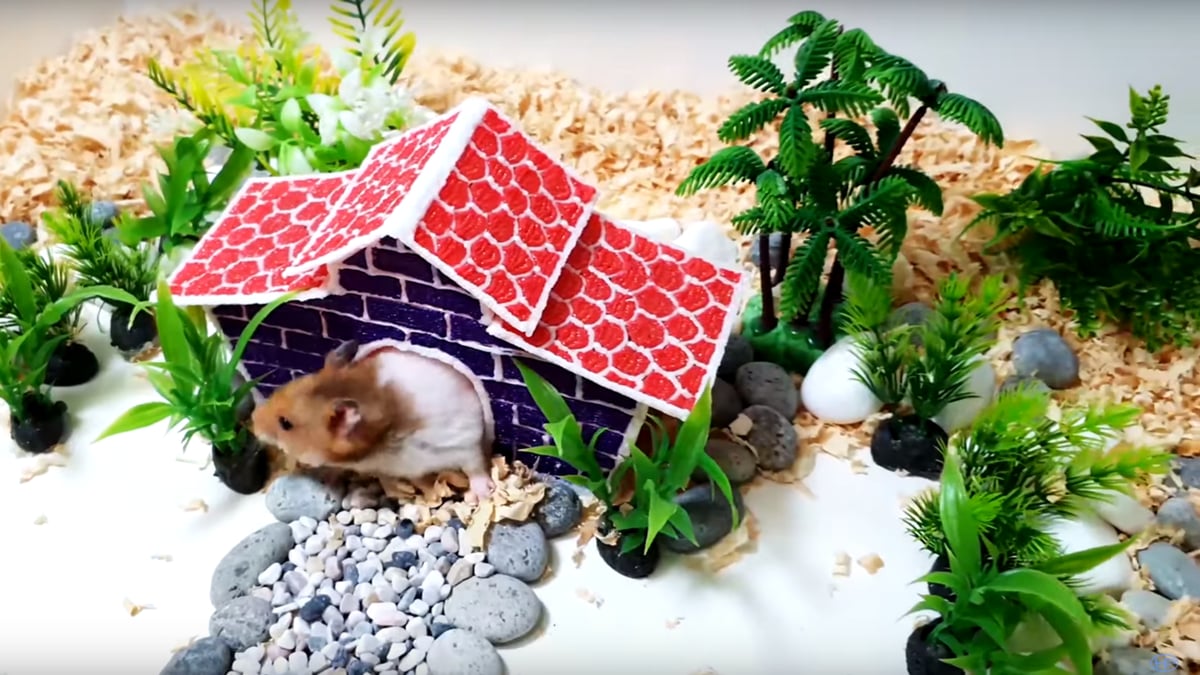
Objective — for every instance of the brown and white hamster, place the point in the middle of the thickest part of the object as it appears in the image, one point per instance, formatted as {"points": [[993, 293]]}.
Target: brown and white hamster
{"points": [[385, 412]]}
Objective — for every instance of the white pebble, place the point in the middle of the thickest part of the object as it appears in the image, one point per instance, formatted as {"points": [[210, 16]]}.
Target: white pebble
{"points": [[385, 594], [254, 653], [314, 565], [348, 604], [438, 609], [314, 544], [411, 512], [484, 570], [416, 542], [287, 640], [280, 665], [367, 643], [416, 628], [433, 533], [373, 544], [411, 659], [317, 662], [392, 634], [325, 528], [299, 531], [333, 569], [301, 627], [359, 555], [475, 558], [433, 580], [367, 570], [246, 666], [370, 658], [275, 631], [263, 593], [354, 542], [385, 614], [422, 669], [423, 643], [384, 532], [343, 586], [368, 529], [356, 617], [387, 517], [418, 607], [449, 540], [397, 650], [270, 575], [296, 557], [344, 517], [298, 662], [365, 516]]}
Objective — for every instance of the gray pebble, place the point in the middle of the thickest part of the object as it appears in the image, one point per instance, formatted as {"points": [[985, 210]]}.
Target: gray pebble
{"points": [[461, 652], [1178, 512], [1042, 353], [1174, 574], [206, 656], [736, 460], [499, 608], [242, 623], [767, 384], [1150, 607], [1189, 471], [238, 571], [738, 353], [406, 600], [778, 244], [519, 550], [711, 515], [411, 660], [295, 495], [18, 234], [1013, 381], [1135, 661], [560, 509], [909, 314], [773, 437], [103, 213], [726, 404], [484, 570]]}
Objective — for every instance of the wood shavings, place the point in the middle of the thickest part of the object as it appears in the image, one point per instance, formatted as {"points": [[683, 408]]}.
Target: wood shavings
{"points": [[162, 557], [729, 549], [741, 425], [134, 608], [589, 597], [871, 562], [184, 645], [1179, 636], [514, 498], [39, 464], [841, 564], [196, 505], [40, 520]]}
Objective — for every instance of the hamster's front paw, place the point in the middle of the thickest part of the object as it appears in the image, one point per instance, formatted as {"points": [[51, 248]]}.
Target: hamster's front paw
{"points": [[481, 487]]}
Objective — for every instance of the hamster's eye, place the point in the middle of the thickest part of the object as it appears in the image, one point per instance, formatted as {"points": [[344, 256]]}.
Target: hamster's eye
{"points": [[285, 424]]}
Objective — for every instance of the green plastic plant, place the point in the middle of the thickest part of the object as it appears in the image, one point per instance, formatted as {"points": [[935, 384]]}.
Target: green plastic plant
{"points": [[928, 366], [49, 281], [34, 330], [99, 259], [197, 380], [1031, 470], [989, 603], [185, 202], [277, 97], [803, 190], [649, 511], [1113, 231]]}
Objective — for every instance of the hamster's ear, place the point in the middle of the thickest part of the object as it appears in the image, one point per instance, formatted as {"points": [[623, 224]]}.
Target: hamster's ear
{"points": [[343, 355], [344, 417]]}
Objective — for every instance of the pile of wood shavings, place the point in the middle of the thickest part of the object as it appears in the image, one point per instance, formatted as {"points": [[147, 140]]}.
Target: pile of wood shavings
{"points": [[86, 117]]}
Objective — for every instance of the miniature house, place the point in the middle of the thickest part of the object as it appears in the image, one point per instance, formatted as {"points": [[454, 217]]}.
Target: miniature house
{"points": [[463, 238]]}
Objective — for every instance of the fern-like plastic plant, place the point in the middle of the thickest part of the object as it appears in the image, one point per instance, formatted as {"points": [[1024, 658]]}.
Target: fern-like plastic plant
{"points": [[1113, 231], [917, 371], [801, 190]]}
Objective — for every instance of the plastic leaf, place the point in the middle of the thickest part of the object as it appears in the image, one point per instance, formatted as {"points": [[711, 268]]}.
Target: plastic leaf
{"points": [[1083, 561], [659, 512], [1039, 586], [137, 417], [958, 523], [255, 139], [17, 284], [689, 443]]}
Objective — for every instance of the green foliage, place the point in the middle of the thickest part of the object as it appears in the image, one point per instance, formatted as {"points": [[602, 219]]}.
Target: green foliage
{"points": [[185, 203], [802, 190], [929, 365], [33, 327], [353, 18], [1113, 231], [50, 281], [275, 96], [197, 379], [990, 602], [99, 259], [649, 512]]}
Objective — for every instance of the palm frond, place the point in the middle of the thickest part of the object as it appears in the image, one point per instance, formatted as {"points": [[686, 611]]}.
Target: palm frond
{"points": [[841, 97], [802, 279], [852, 53], [359, 16], [972, 115], [926, 192], [815, 55], [852, 133], [758, 73], [735, 164], [750, 118]]}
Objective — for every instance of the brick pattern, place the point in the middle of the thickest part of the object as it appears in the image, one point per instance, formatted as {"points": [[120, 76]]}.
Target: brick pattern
{"points": [[391, 293]]}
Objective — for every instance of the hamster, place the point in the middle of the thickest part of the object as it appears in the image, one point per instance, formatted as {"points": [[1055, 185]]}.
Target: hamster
{"points": [[387, 413]]}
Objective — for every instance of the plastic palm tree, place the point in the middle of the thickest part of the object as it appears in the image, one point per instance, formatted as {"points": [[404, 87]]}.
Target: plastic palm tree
{"points": [[803, 190]]}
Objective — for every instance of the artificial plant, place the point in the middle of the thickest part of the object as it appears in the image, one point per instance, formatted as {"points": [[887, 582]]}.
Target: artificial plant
{"points": [[638, 494], [1113, 231], [29, 341], [201, 390], [185, 202], [278, 96], [100, 259], [917, 371], [976, 624], [806, 189]]}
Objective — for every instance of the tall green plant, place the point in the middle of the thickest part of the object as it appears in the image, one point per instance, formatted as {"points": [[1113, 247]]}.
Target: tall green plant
{"points": [[803, 190], [1113, 231], [197, 380]]}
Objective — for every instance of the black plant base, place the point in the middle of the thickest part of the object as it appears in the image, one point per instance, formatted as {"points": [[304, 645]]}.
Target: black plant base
{"points": [[43, 427], [923, 658], [941, 564], [71, 365], [244, 471], [636, 564], [909, 443], [131, 338]]}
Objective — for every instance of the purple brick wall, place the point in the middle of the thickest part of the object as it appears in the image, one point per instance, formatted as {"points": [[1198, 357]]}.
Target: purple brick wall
{"points": [[392, 293]]}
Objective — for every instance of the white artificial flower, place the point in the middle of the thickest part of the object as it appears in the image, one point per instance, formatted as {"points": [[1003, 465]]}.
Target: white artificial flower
{"points": [[171, 123], [328, 109]]}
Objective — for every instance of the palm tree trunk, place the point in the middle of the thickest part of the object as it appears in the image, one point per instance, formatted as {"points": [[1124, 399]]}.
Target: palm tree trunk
{"points": [[834, 290], [768, 321]]}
